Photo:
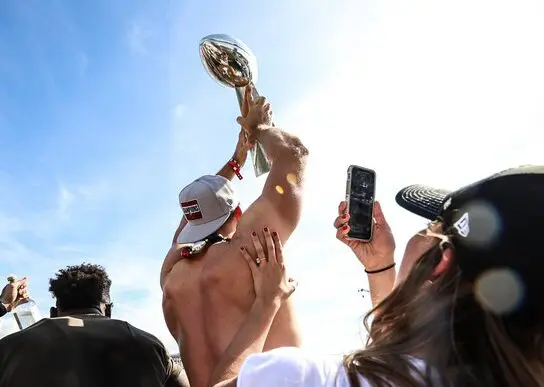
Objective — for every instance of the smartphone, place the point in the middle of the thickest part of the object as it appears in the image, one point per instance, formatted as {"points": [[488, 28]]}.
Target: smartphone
{"points": [[360, 191]]}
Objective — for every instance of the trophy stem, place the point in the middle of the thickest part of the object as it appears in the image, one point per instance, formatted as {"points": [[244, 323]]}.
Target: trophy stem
{"points": [[261, 164]]}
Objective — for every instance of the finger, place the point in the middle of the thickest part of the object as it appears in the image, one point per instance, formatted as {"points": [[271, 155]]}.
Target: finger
{"points": [[341, 220], [270, 245], [243, 137], [249, 260], [278, 248], [342, 232], [266, 107], [258, 247], [245, 104], [260, 101], [241, 121], [249, 94], [342, 207]]}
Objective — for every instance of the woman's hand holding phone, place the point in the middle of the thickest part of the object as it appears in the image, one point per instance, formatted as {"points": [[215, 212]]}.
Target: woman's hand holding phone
{"points": [[375, 254]]}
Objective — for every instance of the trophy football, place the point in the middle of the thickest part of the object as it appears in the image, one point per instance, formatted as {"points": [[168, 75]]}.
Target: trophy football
{"points": [[231, 63]]}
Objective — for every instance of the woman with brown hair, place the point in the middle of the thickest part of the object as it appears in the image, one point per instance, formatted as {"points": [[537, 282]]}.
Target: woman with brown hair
{"points": [[466, 309]]}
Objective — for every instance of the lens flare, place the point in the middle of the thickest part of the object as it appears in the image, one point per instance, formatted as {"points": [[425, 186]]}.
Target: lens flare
{"points": [[500, 290], [291, 178]]}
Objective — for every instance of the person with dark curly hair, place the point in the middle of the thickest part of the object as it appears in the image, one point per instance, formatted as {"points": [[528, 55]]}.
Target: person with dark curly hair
{"points": [[81, 345]]}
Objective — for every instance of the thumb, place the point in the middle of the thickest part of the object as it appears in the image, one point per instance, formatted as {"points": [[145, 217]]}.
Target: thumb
{"points": [[241, 121], [378, 214]]}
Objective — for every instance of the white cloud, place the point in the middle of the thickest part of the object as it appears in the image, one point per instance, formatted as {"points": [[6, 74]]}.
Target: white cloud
{"points": [[65, 200], [177, 111], [138, 36]]}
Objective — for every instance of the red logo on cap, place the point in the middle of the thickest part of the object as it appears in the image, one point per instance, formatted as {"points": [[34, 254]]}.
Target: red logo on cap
{"points": [[191, 210]]}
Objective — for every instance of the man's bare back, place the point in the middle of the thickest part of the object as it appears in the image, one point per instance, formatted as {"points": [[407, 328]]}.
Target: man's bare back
{"points": [[216, 293], [206, 298]]}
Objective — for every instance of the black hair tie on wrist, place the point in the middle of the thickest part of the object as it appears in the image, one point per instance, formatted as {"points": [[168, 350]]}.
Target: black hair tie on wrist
{"points": [[380, 270]]}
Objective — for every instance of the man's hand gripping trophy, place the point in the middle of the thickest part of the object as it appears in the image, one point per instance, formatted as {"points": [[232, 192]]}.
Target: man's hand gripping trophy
{"points": [[255, 113]]}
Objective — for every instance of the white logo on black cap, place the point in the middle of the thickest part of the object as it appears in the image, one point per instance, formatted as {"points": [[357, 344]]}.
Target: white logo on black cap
{"points": [[462, 225]]}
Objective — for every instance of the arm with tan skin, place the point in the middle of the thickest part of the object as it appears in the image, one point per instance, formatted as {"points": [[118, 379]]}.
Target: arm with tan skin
{"points": [[280, 202], [227, 296], [272, 287], [374, 255]]}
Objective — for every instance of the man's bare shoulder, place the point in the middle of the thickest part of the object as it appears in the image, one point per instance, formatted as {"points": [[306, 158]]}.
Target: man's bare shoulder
{"points": [[259, 215], [172, 258], [225, 273], [223, 259], [219, 260]]}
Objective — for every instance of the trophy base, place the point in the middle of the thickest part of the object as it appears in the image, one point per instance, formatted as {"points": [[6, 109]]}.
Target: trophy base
{"points": [[261, 164]]}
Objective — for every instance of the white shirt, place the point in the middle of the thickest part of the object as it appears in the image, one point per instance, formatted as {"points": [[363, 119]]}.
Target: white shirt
{"points": [[295, 367]]}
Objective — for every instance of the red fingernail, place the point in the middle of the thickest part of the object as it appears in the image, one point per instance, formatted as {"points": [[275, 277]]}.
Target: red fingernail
{"points": [[345, 216], [266, 229], [254, 233], [242, 248], [345, 227], [275, 233]]}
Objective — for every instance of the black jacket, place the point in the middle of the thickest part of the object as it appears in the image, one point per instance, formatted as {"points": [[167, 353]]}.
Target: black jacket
{"points": [[84, 351]]}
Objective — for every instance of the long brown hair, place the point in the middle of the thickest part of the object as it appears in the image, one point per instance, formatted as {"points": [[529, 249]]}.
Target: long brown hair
{"points": [[441, 322]]}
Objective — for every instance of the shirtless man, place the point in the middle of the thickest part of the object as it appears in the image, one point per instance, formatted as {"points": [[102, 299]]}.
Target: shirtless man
{"points": [[208, 295]]}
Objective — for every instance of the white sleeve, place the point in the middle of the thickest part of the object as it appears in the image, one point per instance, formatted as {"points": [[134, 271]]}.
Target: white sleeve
{"points": [[286, 367]]}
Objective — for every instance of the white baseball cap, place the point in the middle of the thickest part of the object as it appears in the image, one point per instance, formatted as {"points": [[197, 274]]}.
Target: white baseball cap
{"points": [[206, 203]]}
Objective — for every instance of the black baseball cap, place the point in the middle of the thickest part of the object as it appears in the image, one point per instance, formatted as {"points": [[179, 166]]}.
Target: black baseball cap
{"points": [[495, 223]]}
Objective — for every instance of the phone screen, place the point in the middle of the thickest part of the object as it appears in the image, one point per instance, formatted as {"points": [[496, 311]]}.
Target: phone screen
{"points": [[360, 196]]}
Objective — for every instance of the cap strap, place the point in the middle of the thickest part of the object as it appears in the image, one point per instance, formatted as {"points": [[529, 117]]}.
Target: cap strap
{"points": [[194, 248]]}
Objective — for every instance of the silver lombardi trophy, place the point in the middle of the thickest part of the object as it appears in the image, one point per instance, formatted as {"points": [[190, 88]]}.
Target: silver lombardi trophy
{"points": [[230, 62]]}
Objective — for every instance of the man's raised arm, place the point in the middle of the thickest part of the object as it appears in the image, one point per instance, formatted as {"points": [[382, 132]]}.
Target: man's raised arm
{"points": [[280, 203]]}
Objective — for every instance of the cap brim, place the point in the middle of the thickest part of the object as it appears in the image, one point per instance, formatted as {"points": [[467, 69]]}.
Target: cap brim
{"points": [[194, 233], [422, 200]]}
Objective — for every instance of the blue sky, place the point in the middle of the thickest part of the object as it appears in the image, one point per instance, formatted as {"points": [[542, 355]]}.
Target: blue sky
{"points": [[106, 112]]}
